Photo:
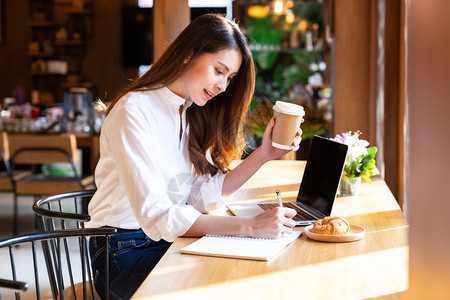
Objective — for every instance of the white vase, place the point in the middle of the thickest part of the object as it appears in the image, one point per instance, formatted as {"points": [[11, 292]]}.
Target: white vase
{"points": [[350, 187]]}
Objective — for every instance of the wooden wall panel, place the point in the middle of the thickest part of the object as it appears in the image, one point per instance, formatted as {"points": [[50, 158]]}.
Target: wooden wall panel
{"points": [[170, 18], [392, 93], [103, 62], [14, 64], [427, 147], [352, 67], [367, 77]]}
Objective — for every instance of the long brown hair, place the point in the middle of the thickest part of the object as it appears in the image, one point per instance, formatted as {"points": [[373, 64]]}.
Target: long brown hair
{"points": [[216, 127]]}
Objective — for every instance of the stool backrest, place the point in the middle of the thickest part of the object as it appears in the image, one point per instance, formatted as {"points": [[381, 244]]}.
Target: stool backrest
{"points": [[4, 146], [42, 148]]}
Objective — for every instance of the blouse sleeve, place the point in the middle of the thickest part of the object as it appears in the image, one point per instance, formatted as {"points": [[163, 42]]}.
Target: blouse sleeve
{"points": [[206, 194], [133, 151]]}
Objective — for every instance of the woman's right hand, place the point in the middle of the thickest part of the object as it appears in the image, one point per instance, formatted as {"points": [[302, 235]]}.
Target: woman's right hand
{"points": [[273, 223], [270, 152]]}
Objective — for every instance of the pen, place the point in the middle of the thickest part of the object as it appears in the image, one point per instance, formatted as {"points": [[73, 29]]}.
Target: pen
{"points": [[279, 199]]}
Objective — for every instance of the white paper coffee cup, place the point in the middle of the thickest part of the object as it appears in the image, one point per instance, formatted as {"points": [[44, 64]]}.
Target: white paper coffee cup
{"points": [[288, 117]]}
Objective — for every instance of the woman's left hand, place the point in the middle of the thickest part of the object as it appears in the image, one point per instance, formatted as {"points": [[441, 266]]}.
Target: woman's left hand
{"points": [[271, 152]]}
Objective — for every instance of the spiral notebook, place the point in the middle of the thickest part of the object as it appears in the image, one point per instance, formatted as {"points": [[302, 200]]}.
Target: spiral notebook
{"points": [[239, 246]]}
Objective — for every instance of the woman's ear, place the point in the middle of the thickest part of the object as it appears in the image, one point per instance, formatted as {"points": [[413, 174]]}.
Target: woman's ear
{"points": [[187, 59]]}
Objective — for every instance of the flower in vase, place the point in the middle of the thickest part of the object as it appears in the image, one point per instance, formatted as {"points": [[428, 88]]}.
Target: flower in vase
{"points": [[360, 161]]}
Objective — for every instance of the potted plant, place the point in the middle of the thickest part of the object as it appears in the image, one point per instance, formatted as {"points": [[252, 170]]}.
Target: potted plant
{"points": [[359, 164]]}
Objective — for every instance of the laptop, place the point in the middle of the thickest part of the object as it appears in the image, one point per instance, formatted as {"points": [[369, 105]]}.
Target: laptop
{"points": [[318, 187]]}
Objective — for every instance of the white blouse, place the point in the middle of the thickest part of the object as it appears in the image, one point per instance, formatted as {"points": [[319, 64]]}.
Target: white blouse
{"points": [[144, 175]]}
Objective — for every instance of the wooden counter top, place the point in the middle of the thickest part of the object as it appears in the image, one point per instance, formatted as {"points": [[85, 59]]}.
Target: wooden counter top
{"points": [[375, 266]]}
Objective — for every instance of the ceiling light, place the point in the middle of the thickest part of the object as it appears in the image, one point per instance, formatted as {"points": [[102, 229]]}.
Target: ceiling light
{"points": [[258, 11], [278, 7]]}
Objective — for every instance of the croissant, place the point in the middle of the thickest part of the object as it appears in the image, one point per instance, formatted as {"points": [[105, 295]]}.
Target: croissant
{"points": [[331, 226]]}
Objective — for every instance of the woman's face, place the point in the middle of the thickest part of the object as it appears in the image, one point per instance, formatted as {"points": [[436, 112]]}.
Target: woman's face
{"points": [[208, 76]]}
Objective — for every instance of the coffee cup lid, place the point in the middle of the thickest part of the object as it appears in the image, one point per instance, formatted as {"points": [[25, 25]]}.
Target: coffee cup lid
{"points": [[289, 108]]}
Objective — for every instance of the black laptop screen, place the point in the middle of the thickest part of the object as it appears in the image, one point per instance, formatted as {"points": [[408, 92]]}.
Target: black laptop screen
{"points": [[322, 174]]}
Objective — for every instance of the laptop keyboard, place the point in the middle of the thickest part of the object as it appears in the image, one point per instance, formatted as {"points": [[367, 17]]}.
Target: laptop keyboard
{"points": [[301, 214]]}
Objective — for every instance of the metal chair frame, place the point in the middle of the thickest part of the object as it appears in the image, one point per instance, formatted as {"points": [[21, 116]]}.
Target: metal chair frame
{"points": [[51, 216], [7, 165], [67, 155], [45, 208], [18, 286], [12, 166], [54, 237]]}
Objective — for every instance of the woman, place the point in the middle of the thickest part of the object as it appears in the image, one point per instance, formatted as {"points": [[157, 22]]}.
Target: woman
{"points": [[166, 146]]}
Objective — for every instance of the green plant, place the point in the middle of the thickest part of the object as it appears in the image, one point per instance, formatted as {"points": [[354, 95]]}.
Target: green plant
{"points": [[277, 69], [281, 72], [360, 161]]}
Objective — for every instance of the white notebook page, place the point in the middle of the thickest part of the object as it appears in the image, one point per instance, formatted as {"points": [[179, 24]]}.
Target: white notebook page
{"points": [[240, 247]]}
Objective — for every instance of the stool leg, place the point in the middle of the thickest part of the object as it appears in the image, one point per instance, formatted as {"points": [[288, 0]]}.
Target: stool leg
{"points": [[16, 216]]}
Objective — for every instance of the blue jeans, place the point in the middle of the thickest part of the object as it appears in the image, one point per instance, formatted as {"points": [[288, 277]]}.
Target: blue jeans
{"points": [[131, 258]]}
